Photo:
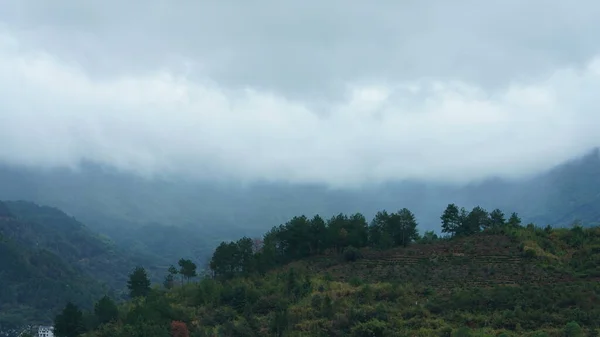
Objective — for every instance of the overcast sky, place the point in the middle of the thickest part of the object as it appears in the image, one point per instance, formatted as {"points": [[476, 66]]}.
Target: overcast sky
{"points": [[336, 92]]}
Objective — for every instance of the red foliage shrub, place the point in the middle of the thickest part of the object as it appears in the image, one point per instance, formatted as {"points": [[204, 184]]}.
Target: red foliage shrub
{"points": [[179, 329]]}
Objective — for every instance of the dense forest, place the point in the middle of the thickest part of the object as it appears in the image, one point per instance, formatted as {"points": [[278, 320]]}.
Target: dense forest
{"points": [[488, 275], [47, 257]]}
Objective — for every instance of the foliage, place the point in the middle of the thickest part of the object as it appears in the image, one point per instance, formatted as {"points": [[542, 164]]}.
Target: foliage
{"points": [[187, 269], [179, 329], [477, 283], [106, 310], [138, 283], [69, 323], [40, 248]]}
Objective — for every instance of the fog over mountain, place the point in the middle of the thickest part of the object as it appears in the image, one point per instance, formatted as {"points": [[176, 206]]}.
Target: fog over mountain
{"points": [[214, 120], [343, 94]]}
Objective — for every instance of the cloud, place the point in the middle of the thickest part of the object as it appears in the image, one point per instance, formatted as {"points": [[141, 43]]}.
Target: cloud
{"points": [[335, 103]]}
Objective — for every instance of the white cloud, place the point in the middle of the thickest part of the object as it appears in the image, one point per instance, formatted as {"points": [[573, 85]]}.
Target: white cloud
{"points": [[337, 92], [54, 114]]}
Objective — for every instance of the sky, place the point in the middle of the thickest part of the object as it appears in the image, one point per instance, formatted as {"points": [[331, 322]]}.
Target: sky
{"points": [[342, 93]]}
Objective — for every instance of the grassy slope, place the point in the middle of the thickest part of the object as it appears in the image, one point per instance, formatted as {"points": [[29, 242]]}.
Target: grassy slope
{"points": [[523, 282]]}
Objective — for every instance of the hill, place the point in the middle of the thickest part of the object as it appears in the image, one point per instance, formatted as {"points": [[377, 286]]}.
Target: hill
{"points": [[48, 258], [136, 213], [489, 277]]}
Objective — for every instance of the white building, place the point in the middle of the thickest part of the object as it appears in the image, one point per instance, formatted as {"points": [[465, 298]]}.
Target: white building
{"points": [[46, 331]]}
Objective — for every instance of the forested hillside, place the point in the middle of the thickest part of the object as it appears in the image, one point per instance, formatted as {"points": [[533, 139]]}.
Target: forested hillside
{"points": [[345, 276], [169, 218], [48, 258]]}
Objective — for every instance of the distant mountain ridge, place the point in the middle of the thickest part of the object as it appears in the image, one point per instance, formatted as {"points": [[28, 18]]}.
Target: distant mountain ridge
{"points": [[174, 218]]}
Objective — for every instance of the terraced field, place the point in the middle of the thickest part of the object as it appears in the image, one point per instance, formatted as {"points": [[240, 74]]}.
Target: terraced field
{"points": [[478, 261]]}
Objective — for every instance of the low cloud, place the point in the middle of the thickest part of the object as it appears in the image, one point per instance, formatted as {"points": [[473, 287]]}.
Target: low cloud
{"points": [[192, 121]]}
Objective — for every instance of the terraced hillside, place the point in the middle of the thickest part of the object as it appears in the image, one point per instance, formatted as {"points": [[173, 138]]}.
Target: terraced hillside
{"points": [[482, 260]]}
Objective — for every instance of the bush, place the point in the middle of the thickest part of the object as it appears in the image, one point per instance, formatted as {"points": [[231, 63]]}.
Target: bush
{"points": [[572, 329], [352, 254], [372, 328], [462, 332]]}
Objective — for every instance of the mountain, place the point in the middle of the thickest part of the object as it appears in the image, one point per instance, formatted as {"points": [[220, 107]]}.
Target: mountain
{"points": [[168, 218], [47, 258]]}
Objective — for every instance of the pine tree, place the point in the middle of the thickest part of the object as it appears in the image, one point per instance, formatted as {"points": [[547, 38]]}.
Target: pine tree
{"points": [[406, 227], [451, 220], [106, 310], [138, 284], [514, 220], [187, 269], [69, 323], [497, 218]]}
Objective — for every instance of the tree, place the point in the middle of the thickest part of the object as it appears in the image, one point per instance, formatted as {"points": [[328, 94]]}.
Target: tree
{"points": [[514, 220], [475, 220], [245, 255], [187, 269], [139, 283], [169, 281], [69, 323], [572, 329], [317, 235], [379, 236], [451, 220], [497, 218], [429, 237], [405, 230], [106, 310]]}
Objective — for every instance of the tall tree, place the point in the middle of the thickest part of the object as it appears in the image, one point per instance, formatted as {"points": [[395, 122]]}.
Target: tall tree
{"points": [[187, 268], [69, 323], [403, 227], [169, 281], [451, 220], [379, 236], [514, 220], [358, 230], [138, 283], [497, 218], [245, 255], [475, 220], [318, 235], [106, 310]]}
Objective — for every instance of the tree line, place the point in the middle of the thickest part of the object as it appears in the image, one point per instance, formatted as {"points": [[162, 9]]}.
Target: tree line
{"points": [[303, 237]]}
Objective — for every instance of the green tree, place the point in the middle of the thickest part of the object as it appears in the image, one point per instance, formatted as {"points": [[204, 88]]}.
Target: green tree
{"points": [[451, 220], [106, 310], [169, 281], [402, 227], [514, 220], [429, 237], [475, 220], [572, 329], [318, 235], [245, 256], [379, 236], [187, 269], [138, 283], [69, 323], [497, 218]]}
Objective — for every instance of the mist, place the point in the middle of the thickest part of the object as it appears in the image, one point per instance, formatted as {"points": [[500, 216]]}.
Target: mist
{"points": [[506, 110]]}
